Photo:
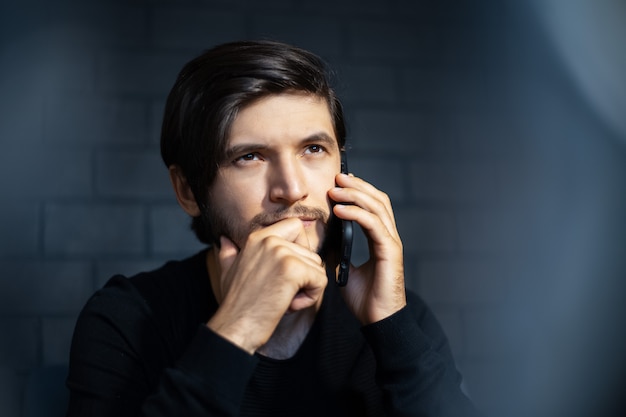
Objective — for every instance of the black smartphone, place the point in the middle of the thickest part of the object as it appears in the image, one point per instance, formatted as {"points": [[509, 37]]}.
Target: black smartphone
{"points": [[345, 250]]}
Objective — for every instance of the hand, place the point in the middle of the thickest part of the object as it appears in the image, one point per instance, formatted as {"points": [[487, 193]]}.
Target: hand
{"points": [[375, 289], [273, 273]]}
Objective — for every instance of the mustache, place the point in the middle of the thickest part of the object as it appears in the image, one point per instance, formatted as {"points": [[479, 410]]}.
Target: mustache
{"points": [[267, 218]]}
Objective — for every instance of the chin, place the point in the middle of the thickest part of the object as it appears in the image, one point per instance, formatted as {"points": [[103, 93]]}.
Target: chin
{"points": [[318, 239]]}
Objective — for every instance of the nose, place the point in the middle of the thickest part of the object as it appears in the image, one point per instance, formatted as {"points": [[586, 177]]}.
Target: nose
{"points": [[288, 183]]}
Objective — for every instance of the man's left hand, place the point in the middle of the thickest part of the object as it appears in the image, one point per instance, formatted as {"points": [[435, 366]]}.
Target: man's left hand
{"points": [[375, 289]]}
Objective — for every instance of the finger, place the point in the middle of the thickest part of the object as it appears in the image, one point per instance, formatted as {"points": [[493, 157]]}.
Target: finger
{"points": [[311, 289], [350, 181], [302, 238], [307, 297], [274, 240], [376, 198], [278, 248], [290, 229], [366, 202], [377, 232]]}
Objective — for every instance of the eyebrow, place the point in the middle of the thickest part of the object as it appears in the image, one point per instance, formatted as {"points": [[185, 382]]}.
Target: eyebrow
{"points": [[245, 148]]}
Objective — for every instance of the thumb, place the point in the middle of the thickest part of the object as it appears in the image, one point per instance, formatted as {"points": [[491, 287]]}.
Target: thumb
{"points": [[227, 254]]}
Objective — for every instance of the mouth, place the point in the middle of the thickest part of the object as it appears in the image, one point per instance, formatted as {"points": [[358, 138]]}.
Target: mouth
{"points": [[306, 221], [310, 217]]}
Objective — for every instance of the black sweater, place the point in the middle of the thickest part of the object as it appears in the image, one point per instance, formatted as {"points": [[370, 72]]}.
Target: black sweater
{"points": [[141, 347]]}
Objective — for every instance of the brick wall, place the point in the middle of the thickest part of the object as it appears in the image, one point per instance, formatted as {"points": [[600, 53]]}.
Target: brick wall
{"points": [[433, 92]]}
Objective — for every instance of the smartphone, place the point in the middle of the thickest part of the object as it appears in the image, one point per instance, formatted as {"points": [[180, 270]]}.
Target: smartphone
{"points": [[345, 250]]}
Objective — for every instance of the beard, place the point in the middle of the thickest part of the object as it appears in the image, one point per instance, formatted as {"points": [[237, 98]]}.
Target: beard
{"points": [[219, 224]]}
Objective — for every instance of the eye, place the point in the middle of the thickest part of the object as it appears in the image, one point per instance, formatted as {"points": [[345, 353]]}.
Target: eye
{"points": [[314, 149], [248, 157]]}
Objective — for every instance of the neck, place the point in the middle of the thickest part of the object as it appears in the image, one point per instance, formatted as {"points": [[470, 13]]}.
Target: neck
{"points": [[289, 334]]}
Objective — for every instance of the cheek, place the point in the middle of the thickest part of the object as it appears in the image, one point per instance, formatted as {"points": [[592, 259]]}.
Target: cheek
{"points": [[322, 186], [241, 201]]}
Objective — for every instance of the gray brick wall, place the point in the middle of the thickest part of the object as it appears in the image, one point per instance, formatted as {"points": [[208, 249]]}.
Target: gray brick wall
{"points": [[449, 109]]}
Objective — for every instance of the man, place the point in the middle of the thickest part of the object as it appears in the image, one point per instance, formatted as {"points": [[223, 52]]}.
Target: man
{"points": [[255, 325]]}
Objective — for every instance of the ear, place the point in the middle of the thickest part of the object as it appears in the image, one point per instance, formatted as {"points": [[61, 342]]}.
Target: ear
{"points": [[184, 195]]}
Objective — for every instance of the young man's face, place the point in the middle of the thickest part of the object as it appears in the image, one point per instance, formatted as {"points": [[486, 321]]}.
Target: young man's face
{"points": [[283, 158]]}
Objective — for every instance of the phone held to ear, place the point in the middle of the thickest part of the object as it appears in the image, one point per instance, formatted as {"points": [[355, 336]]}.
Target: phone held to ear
{"points": [[345, 250]]}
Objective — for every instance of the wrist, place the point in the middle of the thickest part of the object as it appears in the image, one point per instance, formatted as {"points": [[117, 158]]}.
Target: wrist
{"points": [[382, 313], [234, 333]]}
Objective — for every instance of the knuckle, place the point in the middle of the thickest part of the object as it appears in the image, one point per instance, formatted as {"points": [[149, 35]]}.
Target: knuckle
{"points": [[384, 197], [281, 252], [272, 241], [254, 238], [323, 280]]}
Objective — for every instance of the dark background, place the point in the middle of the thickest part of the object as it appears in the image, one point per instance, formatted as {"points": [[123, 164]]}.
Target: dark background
{"points": [[498, 128]]}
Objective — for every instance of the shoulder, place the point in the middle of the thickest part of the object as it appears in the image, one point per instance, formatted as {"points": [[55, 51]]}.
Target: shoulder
{"points": [[175, 284], [153, 314], [173, 279], [132, 328], [176, 294]]}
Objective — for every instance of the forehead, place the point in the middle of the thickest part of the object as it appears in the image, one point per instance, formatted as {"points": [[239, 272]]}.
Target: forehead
{"points": [[281, 118]]}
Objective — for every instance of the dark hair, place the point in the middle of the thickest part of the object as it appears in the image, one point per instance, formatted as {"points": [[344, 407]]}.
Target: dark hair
{"points": [[212, 88]]}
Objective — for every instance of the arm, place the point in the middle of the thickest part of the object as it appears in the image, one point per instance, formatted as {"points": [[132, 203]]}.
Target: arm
{"points": [[415, 368], [122, 364], [200, 384]]}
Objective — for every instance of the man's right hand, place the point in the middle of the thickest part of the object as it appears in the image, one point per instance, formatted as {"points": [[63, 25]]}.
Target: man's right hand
{"points": [[274, 272]]}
